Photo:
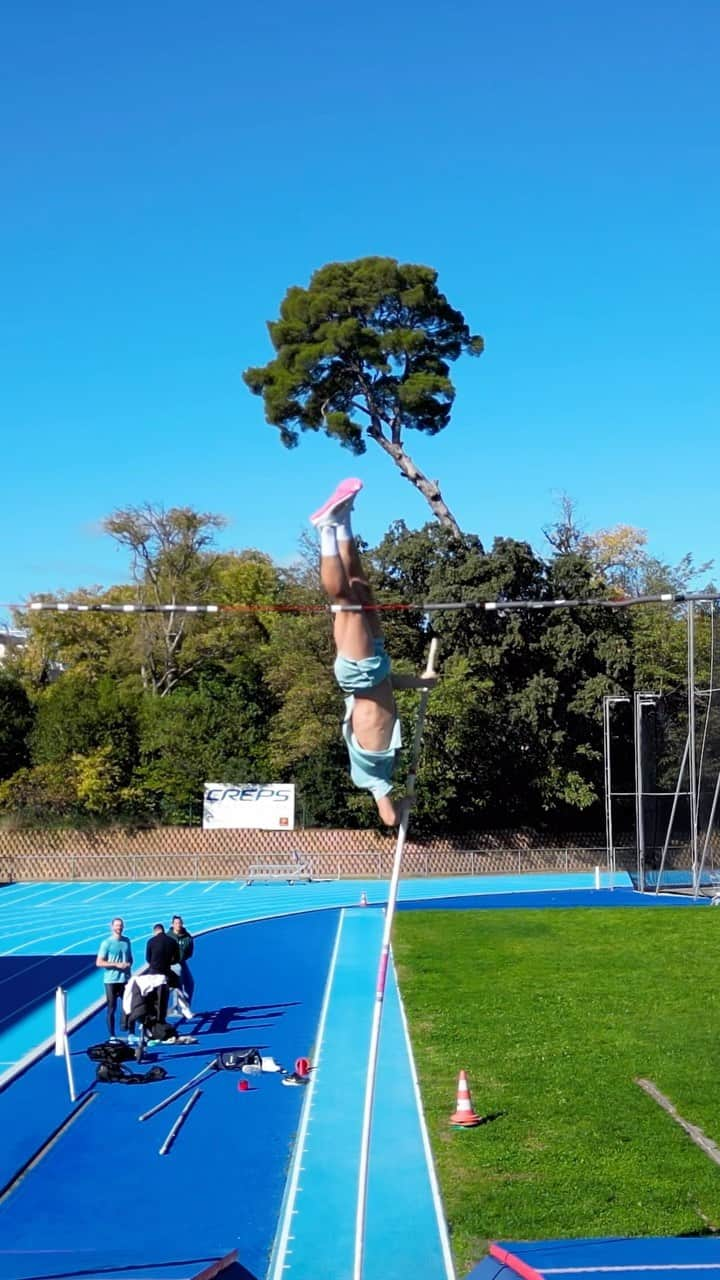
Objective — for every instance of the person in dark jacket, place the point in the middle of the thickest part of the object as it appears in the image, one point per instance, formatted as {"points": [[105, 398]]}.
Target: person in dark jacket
{"points": [[186, 946], [161, 953]]}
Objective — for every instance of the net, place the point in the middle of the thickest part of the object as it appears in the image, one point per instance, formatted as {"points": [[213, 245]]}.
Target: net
{"points": [[679, 841]]}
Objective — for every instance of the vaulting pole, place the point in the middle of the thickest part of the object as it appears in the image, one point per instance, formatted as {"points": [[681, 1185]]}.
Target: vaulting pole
{"points": [[382, 976]]}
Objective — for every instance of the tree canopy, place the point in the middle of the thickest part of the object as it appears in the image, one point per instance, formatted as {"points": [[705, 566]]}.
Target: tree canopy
{"points": [[364, 352]]}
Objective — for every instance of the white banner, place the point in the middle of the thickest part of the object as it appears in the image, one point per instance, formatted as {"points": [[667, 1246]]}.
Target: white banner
{"points": [[267, 808]]}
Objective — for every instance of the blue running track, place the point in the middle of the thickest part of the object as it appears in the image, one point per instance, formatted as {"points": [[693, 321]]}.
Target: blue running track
{"points": [[263, 1171]]}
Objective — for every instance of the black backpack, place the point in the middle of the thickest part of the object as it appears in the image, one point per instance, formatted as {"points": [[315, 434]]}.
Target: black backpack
{"points": [[162, 1031], [112, 1052], [116, 1073]]}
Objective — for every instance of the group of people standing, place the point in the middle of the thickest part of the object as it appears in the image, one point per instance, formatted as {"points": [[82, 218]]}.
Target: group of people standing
{"points": [[166, 956]]}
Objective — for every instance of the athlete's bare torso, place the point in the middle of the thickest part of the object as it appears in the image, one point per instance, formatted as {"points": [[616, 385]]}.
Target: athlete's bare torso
{"points": [[373, 717]]}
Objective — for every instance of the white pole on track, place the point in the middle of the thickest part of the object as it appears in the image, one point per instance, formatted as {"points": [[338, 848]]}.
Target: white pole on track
{"points": [[211, 1066], [69, 1069], [179, 1123], [382, 977], [60, 1021]]}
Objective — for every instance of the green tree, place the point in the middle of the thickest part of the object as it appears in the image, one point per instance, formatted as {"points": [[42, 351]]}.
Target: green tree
{"points": [[87, 644], [513, 731], [171, 564], [76, 716], [16, 717], [41, 795], [364, 352], [584, 654], [96, 781], [214, 732]]}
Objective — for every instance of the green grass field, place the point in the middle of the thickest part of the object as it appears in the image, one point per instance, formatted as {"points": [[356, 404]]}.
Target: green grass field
{"points": [[553, 1014]]}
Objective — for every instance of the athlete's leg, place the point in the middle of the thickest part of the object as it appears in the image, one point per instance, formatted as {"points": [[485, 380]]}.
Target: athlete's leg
{"points": [[353, 634], [353, 629], [356, 576]]}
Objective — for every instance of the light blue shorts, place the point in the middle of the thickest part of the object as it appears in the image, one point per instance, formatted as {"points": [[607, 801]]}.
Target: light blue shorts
{"points": [[372, 770], [356, 674]]}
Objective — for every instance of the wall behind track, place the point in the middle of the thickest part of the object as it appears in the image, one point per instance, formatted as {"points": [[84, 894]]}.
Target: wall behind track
{"points": [[189, 853]]}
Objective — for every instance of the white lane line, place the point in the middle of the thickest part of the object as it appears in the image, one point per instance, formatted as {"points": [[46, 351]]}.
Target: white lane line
{"points": [[185, 885], [33, 1055], [79, 942], [283, 1236], [20, 898], [114, 888], [429, 1162], [49, 937], [151, 885], [212, 886], [62, 897]]}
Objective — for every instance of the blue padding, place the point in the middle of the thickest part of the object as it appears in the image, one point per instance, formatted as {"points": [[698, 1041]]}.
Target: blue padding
{"points": [[612, 1251], [258, 984], [28, 981], [561, 898], [679, 879], [111, 1263], [632, 1256], [490, 1269]]}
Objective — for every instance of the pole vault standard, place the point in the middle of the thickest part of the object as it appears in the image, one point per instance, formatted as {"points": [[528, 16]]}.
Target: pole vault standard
{"points": [[382, 977], [609, 701]]}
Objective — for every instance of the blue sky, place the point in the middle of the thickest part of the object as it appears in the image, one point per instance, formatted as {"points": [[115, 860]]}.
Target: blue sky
{"points": [[169, 170]]}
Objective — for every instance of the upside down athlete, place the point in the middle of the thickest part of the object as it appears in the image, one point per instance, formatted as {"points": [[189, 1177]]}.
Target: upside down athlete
{"points": [[362, 667]]}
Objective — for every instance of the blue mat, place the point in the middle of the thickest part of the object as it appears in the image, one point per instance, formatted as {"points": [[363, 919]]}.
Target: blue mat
{"points": [[655, 1258]]}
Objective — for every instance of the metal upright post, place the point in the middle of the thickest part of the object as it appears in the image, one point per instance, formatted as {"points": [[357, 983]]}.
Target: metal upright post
{"points": [[642, 700], [639, 824], [692, 756], [608, 785], [608, 701]]}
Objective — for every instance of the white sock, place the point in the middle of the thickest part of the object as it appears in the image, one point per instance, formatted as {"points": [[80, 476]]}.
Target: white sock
{"points": [[344, 527], [328, 540]]}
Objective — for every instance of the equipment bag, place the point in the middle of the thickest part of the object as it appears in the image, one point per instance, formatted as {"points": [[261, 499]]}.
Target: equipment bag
{"points": [[162, 1031], [116, 1073], [112, 1051], [240, 1060]]}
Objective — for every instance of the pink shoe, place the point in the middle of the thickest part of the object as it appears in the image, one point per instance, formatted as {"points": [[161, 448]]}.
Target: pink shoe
{"points": [[342, 497]]}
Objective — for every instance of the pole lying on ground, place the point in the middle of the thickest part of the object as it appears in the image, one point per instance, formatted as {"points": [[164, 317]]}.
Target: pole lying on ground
{"points": [[211, 1066], [60, 1021], [382, 976], [179, 1123], [68, 1068]]}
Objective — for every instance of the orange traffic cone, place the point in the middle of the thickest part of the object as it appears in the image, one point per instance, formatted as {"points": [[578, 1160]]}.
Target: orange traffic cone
{"points": [[363, 899], [464, 1117]]}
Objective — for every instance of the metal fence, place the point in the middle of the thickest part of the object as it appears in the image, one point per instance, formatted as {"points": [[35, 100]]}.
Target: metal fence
{"points": [[426, 860]]}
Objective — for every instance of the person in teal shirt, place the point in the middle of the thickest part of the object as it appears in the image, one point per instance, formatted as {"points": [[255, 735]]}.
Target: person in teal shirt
{"points": [[114, 957]]}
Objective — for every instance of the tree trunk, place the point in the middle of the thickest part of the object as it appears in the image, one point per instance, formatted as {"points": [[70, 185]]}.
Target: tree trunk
{"points": [[429, 489]]}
